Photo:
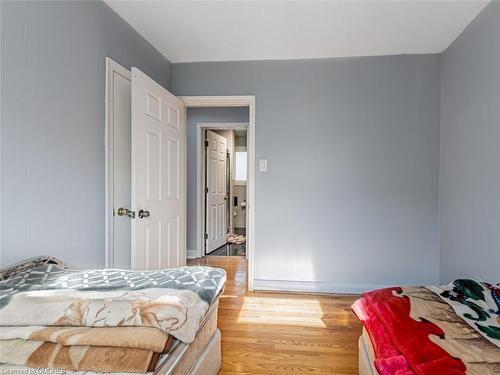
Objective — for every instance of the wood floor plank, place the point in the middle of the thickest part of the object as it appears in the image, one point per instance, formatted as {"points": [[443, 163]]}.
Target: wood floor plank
{"points": [[279, 333]]}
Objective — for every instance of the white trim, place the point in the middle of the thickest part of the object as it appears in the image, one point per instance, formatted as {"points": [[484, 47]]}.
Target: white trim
{"points": [[111, 67], [239, 101], [2, 98], [315, 287], [191, 254], [219, 101]]}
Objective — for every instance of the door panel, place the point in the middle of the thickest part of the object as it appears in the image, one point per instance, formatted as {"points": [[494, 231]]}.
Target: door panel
{"points": [[173, 236], [158, 175], [153, 166], [151, 245], [173, 169], [216, 196]]}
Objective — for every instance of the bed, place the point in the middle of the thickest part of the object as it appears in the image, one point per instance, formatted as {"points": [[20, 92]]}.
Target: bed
{"points": [[451, 329], [109, 321]]}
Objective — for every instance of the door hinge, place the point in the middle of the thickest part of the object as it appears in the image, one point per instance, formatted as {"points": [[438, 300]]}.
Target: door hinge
{"points": [[206, 142], [206, 236], [227, 153], [206, 190]]}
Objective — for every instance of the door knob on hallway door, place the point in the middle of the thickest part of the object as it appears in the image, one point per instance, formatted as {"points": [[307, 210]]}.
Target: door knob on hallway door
{"points": [[143, 213]]}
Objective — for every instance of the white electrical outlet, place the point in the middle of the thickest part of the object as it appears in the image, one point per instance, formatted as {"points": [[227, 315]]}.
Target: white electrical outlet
{"points": [[263, 165]]}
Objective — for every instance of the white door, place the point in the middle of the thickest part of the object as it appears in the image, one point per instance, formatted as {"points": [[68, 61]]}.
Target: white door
{"points": [[216, 193], [158, 176]]}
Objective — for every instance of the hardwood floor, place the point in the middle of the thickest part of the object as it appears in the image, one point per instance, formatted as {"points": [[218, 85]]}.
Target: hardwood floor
{"points": [[280, 333]]}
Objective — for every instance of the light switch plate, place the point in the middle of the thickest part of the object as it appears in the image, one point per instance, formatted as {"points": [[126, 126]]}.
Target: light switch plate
{"points": [[263, 165]]}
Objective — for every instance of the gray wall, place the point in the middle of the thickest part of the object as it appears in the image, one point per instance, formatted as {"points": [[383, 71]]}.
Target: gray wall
{"points": [[351, 197], [470, 152], [195, 116], [52, 118]]}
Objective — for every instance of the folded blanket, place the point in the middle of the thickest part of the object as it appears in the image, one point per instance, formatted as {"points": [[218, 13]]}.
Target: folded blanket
{"points": [[150, 339], [173, 300], [414, 331], [39, 354], [107, 349], [25, 370], [99, 320]]}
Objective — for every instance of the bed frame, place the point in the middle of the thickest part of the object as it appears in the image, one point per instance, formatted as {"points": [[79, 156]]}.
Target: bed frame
{"points": [[365, 360]]}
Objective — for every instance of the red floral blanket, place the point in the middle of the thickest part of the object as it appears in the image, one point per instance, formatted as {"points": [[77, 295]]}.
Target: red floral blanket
{"points": [[413, 331]]}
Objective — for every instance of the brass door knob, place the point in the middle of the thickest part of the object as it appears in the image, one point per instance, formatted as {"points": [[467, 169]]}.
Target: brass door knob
{"points": [[123, 211]]}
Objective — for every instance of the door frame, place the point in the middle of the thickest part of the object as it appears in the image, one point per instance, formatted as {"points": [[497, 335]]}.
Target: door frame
{"points": [[233, 101], [201, 127], [111, 68]]}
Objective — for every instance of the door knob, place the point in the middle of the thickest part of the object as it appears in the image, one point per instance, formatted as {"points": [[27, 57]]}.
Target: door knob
{"points": [[143, 213], [123, 211]]}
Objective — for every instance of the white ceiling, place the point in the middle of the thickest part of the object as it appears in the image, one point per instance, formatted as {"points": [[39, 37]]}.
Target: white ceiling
{"points": [[186, 31]]}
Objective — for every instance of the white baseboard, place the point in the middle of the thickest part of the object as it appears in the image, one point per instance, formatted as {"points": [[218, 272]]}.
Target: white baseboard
{"points": [[314, 287], [192, 254]]}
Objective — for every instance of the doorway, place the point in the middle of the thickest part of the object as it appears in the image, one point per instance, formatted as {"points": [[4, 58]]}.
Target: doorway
{"points": [[225, 166], [145, 172], [197, 251]]}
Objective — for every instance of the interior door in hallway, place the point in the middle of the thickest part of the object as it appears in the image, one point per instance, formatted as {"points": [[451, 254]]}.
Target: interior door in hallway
{"points": [[216, 191]]}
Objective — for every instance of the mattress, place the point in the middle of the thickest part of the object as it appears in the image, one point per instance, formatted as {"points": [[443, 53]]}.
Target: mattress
{"points": [[366, 355]]}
